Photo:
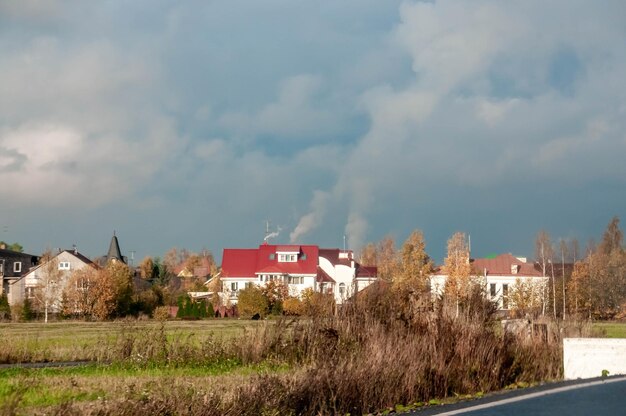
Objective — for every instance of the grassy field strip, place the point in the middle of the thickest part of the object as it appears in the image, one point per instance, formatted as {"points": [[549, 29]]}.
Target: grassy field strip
{"points": [[611, 329], [71, 340], [53, 386]]}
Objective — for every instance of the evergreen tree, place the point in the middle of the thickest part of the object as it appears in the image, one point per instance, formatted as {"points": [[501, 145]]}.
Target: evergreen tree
{"points": [[5, 309]]}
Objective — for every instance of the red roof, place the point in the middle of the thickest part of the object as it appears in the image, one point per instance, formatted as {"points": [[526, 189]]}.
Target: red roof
{"points": [[332, 255], [501, 266], [323, 277], [250, 262], [288, 249], [366, 272]]}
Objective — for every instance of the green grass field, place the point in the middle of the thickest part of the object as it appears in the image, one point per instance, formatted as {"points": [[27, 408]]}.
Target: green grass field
{"points": [[122, 378], [76, 340], [610, 329]]}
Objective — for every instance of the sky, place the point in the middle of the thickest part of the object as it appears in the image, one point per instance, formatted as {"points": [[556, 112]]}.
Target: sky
{"points": [[192, 124]]}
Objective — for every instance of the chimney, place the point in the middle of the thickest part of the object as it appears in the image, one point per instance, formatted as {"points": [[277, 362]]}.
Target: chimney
{"points": [[75, 249]]}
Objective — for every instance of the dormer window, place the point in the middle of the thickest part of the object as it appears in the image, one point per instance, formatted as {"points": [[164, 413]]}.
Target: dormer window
{"points": [[287, 258], [514, 268], [17, 267]]}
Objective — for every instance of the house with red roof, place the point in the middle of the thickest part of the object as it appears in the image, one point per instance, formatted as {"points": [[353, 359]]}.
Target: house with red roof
{"points": [[499, 275], [298, 266]]}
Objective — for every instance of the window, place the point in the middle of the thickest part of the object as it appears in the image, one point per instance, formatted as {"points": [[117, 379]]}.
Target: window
{"points": [[492, 290], [17, 266], [295, 280], [287, 258], [30, 292], [342, 289], [1, 267], [233, 286], [64, 265]]}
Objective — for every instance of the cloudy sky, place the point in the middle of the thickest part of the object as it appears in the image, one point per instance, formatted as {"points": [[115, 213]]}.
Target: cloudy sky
{"points": [[190, 124]]}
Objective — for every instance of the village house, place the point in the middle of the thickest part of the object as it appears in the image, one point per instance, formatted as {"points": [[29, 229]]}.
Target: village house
{"points": [[47, 281], [300, 267], [13, 266], [499, 276], [62, 265]]}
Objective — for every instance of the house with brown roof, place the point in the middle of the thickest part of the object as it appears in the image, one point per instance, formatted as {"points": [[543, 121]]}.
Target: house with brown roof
{"points": [[298, 266], [498, 274]]}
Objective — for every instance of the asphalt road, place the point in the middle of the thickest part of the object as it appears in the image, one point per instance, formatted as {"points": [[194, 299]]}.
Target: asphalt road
{"points": [[581, 397]]}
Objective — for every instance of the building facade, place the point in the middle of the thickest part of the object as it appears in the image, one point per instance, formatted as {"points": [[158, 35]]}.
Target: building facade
{"points": [[13, 266], [499, 275], [299, 267]]}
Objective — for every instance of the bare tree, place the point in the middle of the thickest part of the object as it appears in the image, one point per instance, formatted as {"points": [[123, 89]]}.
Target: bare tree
{"points": [[563, 248], [543, 254], [48, 286]]}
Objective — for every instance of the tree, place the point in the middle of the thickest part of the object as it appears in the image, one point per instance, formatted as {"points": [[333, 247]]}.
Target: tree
{"points": [[525, 297], [578, 287], [368, 256], [293, 306], [171, 259], [275, 291], [251, 302], [612, 237], [81, 293], [410, 285], [27, 310], [387, 259], [114, 288], [5, 308], [48, 286], [544, 254], [147, 269], [563, 248], [416, 265], [13, 247], [317, 303], [458, 269]]}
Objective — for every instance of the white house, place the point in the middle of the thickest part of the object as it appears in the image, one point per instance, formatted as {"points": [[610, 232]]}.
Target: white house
{"points": [[299, 266], [498, 274], [65, 262]]}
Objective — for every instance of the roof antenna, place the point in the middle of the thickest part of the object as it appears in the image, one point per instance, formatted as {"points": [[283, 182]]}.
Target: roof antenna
{"points": [[269, 234]]}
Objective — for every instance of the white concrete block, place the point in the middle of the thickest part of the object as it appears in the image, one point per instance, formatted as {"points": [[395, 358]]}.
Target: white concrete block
{"points": [[589, 357]]}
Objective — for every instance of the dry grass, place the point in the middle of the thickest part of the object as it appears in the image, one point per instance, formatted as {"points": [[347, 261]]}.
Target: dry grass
{"points": [[363, 360]]}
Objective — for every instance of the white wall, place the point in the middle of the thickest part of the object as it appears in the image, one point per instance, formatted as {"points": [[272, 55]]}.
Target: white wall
{"points": [[587, 357]]}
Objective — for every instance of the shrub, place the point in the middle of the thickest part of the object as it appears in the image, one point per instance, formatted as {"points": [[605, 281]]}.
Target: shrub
{"points": [[191, 309], [161, 313], [293, 306], [316, 303], [252, 301]]}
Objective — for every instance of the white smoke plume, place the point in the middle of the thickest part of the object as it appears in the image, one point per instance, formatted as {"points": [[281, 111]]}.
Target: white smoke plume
{"points": [[313, 218]]}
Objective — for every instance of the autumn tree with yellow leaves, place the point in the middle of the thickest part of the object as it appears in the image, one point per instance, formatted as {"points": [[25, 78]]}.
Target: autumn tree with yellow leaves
{"points": [[458, 270]]}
